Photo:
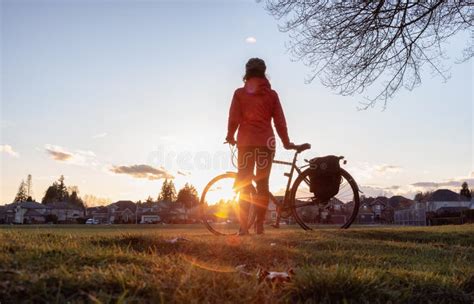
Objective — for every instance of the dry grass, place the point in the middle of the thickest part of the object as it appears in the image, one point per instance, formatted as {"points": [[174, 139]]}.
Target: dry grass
{"points": [[136, 264]]}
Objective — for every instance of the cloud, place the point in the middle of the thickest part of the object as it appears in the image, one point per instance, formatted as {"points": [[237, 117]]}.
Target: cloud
{"points": [[78, 157], [100, 135], [142, 171], [388, 168], [58, 153], [366, 171], [446, 184], [183, 173], [9, 150], [251, 40], [411, 190]]}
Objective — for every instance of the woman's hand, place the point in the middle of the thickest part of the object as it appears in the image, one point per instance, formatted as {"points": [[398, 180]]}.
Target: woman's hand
{"points": [[289, 146], [230, 140]]}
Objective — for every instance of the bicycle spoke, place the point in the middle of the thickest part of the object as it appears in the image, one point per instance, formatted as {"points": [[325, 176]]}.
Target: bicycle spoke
{"points": [[338, 211]]}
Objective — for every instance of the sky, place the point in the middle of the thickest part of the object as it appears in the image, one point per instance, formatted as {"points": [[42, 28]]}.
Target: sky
{"points": [[116, 96]]}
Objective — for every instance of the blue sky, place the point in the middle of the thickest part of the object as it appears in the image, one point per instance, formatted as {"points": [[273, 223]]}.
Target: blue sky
{"points": [[89, 86]]}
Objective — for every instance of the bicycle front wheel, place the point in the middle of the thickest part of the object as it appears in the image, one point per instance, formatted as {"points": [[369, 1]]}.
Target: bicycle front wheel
{"points": [[340, 211], [220, 206]]}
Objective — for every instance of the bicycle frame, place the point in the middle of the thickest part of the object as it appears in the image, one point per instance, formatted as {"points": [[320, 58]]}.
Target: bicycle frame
{"points": [[289, 202], [290, 174]]}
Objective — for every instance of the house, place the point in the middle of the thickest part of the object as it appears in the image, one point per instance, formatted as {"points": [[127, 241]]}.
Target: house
{"points": [[334, 212], [378, 206], [365, 214], [37, 213], [129, 212], [421, 213], [373, 210], [149, 217], [445, 206], [399, 202], [66, 212], [271, 215], [338, 212], [379, 210], [445, 198], [99, 214], [176, 213], [122, 212], [25, 213]]}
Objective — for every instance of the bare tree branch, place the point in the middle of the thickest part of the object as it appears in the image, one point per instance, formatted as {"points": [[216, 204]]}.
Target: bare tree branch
{"points": [[354, 45]]}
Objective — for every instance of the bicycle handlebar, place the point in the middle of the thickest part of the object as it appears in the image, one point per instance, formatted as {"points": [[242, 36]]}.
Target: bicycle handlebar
{"points": [[298, 148]]}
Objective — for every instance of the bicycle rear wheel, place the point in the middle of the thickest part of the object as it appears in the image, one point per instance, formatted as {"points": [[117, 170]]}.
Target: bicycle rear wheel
{"points": [[340, 211], [220, 206]]}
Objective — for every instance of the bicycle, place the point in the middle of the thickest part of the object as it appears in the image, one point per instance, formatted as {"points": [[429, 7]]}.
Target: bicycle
{"points": [[219, 201]]}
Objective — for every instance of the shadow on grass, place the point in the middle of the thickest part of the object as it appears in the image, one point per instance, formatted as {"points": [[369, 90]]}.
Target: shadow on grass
{"points": [[351, 285], [460, 238]]}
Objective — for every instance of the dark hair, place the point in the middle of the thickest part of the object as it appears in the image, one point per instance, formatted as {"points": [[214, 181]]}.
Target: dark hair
{"points": [[255, 67]]}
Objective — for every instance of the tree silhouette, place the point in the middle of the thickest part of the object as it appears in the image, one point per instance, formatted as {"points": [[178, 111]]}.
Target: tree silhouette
{"points": [[21, 195], [465, 191], [188, 197], [149, 201], [62, 189], [58, 192], [29, 185], [353, 45], [168, 191]]}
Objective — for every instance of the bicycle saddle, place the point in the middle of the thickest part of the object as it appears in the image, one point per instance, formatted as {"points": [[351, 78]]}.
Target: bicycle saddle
{"points": [[301, 148]]}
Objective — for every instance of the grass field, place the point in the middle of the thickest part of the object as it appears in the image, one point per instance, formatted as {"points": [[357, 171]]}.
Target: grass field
{"points": [[104, 264]]}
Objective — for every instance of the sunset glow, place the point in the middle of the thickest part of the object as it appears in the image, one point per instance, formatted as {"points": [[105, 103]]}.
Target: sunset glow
{"points": [[118, 99]]}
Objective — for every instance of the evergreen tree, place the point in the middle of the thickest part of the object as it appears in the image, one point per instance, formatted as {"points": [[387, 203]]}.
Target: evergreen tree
{"points": [[29, 185], [62, 190], [58, 192], [465, 191], [75, 199], [188, 197], [21, 195], [168, 191]]}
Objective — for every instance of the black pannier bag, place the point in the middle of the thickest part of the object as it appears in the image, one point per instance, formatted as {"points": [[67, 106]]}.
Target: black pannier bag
{"points": [[325, 177]]}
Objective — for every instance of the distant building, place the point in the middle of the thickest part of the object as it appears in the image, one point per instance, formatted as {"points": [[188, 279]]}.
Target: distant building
{"points": [[26, 213], [66, 212], [37, 213], [271, 214], [420, 213], [378, 210], [445, 198], [149, 217], [99, 214], [122, 212], [366, 214]]}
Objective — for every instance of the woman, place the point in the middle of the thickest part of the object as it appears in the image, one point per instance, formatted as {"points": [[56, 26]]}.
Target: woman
{"points": [[252, 109]]}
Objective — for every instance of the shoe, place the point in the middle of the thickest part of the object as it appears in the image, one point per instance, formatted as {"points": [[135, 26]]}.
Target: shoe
{"points": [[259, 228], [243, 232]]}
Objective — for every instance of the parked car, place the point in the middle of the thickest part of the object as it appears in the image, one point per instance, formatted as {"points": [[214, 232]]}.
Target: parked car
{"points": [[92, 221]]}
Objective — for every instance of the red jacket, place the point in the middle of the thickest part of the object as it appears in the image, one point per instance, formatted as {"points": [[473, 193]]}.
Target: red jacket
{"points": [[252, 110]]}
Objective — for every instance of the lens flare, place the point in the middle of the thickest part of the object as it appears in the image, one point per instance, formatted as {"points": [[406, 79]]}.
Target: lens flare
{"points": [[206, 265]]}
